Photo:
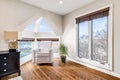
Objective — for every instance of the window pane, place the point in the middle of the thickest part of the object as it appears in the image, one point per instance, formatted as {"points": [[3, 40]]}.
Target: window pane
{"points": [[83, 40], [30, 27], [100, 40], [25, 47], [44, 26]]}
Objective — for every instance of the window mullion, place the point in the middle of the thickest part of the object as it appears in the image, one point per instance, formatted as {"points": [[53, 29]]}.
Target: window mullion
{"points": [[90, 39]]}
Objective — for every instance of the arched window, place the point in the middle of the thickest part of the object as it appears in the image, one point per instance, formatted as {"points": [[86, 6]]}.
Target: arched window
{"points": [[30, 27], [44, 26]]}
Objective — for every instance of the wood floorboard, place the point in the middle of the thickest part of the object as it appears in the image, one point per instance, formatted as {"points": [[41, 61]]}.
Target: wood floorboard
{"points": [[60, 71]]}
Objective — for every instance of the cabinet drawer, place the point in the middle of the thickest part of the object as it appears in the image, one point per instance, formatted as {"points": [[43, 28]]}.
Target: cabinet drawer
{"points": [[4, 70], [3, 64], [3, 57], [7, 69]]}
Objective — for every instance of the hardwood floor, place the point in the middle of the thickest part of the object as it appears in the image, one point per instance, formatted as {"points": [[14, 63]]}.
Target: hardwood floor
{"points": [[60, 71]]}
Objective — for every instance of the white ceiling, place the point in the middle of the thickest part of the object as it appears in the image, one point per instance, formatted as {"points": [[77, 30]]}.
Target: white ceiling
{"points": [[54, 6]]}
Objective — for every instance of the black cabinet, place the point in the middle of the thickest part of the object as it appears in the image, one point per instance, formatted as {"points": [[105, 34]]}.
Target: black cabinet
{"points": [[9, 63]]}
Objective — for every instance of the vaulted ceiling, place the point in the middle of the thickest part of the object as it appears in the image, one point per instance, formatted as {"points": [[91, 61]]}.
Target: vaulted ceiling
{"points": [[54, 6]]}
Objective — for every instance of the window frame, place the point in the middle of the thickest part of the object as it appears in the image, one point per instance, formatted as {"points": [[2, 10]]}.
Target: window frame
{"points": [[110, 41]]}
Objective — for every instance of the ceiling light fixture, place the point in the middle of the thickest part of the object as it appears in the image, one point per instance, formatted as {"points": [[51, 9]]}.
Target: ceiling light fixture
{"points": [[60, 2]]}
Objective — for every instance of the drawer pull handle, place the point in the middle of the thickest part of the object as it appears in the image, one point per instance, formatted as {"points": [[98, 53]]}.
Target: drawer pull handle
{"points": [[5, 58], [4, 70], [5, 64]]}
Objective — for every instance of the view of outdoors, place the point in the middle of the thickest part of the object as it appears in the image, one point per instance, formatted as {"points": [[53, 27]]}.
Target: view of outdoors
{"points": [[44, 26], [30, 27], [99, 40], [83, 40], [25, 47]]}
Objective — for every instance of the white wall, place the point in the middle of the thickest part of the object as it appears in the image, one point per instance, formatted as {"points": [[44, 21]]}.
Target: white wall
{"points": [[16, 15], [70, 33], [29, 34]]}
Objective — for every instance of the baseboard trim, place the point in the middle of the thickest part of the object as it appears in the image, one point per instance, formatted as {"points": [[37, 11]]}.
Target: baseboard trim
{"points": [[96, 68]]}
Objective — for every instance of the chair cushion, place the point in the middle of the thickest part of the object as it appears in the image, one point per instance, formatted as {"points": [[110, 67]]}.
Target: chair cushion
{"points": [[42, 53]]}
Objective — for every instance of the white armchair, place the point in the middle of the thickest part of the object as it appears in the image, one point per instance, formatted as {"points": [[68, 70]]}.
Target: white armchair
{"points": [[44, 53]]}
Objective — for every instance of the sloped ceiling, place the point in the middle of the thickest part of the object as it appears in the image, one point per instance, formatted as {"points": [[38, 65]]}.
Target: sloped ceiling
{"points": [[54, 6]]}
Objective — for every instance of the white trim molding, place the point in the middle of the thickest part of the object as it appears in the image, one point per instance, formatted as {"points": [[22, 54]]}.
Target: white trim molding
{"points": [[94, 67]]}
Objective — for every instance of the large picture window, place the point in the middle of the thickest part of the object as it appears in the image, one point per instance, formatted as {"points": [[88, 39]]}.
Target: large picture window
{"points": [[93, 31], [83, 40]]}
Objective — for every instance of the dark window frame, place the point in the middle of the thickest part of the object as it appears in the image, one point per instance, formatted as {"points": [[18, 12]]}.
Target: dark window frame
{"points": [[90, 17]]}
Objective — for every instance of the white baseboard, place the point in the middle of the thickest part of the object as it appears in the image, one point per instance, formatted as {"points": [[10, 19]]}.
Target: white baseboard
{"points": [[96, 68]]}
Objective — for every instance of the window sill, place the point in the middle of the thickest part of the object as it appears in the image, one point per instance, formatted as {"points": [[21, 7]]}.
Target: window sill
{"points": [[95, 63]]}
